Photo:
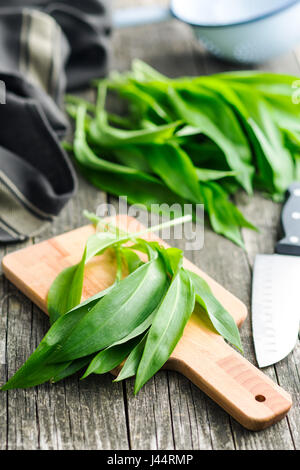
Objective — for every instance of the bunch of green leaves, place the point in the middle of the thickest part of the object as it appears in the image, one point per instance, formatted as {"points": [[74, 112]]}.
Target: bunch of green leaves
{"points": [[139, 319], [191, 140]]}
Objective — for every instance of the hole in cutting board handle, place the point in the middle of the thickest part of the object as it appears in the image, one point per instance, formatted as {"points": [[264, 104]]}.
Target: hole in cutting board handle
{"points": [[260, 398]]}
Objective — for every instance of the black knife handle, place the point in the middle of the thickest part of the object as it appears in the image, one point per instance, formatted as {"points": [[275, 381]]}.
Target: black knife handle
{"points": [[290, 220]]}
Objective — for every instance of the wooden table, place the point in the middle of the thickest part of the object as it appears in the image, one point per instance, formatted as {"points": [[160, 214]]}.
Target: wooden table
{"points": [[169, 412]]}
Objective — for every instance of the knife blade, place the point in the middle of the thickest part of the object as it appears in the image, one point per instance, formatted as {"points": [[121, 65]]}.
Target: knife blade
{"points": [[276, 289]]}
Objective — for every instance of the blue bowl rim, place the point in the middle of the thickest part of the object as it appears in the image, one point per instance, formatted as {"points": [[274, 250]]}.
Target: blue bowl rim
{"points": [[239, 23]]}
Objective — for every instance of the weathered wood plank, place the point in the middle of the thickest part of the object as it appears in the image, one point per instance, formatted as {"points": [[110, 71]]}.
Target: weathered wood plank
{"points": [[149, 414], [3, 367], [22, 428]]}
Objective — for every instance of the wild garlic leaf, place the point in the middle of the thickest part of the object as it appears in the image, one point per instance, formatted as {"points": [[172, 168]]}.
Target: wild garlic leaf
{"points": [[133, 157], [173, 258], [175, 168], [140, 187], [40, 366], [85, 155], [65, 292], [152, 107], [167, 327], [109, 358], [132, 259], [266, 83], [204, 174], [144, 71], [147, 191], [100, 132], [273, 160], [224, 217], [120, 312], [230, 127], [206, 154], [61, 296], [120, 349], [206, 111], [132, 362], [110, 137], [141, 317], [71, 368], [222, 321]]}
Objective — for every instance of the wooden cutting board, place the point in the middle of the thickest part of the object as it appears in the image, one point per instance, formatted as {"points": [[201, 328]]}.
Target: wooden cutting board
{"points": [[201, 355]]}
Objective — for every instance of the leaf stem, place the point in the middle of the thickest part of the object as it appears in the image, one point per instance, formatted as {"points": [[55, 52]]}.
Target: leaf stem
{"points": [[170, 223]]}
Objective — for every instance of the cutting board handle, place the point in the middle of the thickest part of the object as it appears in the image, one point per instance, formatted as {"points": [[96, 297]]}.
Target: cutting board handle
{"points": [[246, 393]]}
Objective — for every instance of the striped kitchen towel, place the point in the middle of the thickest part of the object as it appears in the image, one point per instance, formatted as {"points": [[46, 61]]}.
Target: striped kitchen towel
{"points": [[46, 47]]}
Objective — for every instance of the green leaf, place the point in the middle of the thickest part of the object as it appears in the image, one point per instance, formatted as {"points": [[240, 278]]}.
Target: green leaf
{"points": [[259, 121], [112, 137], [206, 154], [268, 84], [222, 321], [60, 297], [225, 218], [132, 259], [119, 180], [71, 369], [100, 132], [132, 362], [43, 365], [133, 157], [173, 258], [167, 327], [65, 292], [204, 110], [151, 107], [76, 100], [180, 132], [147, 192], [204, 174], [175, 168], [111, 357], [118, 313], [38, 368], [143, 71]]}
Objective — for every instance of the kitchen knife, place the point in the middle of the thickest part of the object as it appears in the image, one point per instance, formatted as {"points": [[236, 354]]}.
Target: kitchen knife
{"points": [[276, 289]]}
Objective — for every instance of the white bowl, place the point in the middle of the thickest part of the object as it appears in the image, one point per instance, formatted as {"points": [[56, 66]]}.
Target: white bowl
{"points": [[248, 31]]}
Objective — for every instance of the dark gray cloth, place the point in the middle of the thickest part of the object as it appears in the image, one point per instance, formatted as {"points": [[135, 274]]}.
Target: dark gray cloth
{"points": [[46, 48]]}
